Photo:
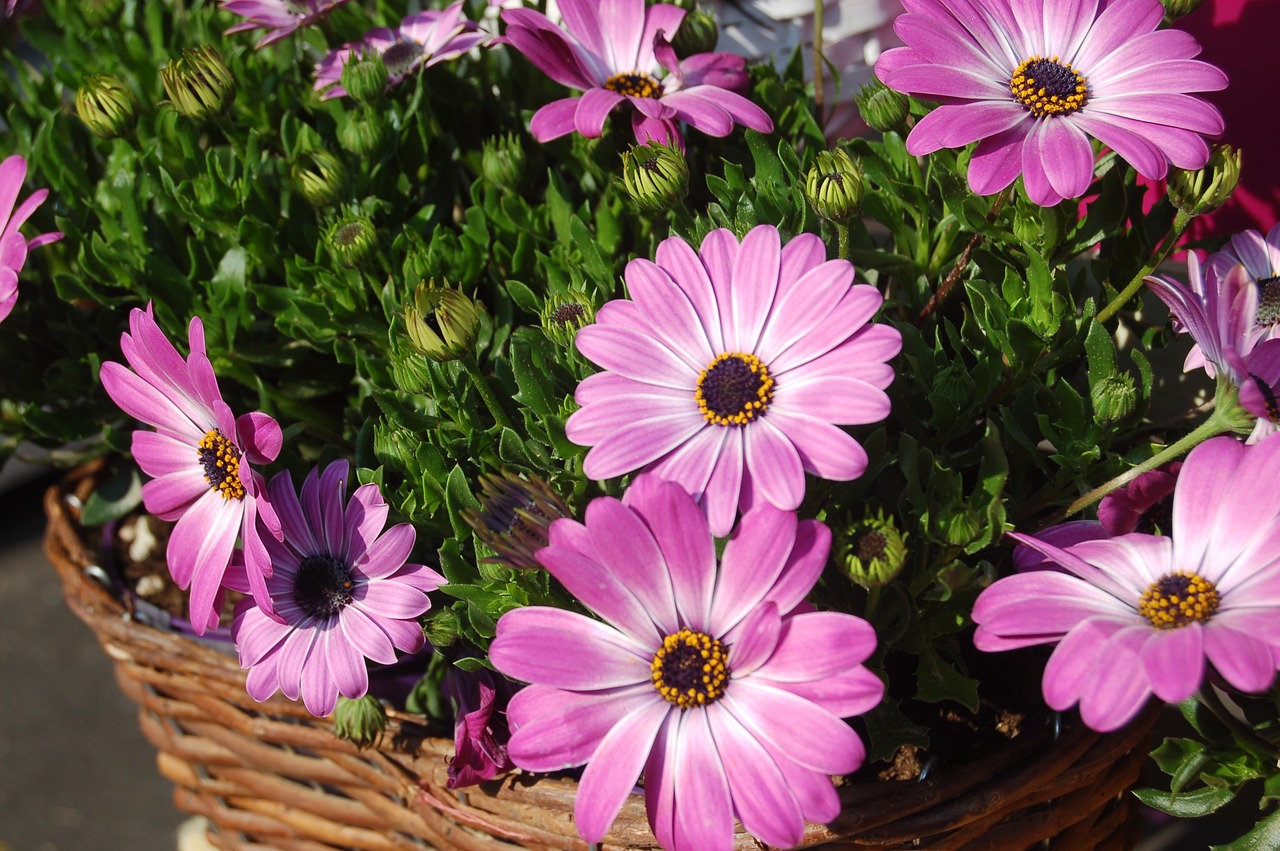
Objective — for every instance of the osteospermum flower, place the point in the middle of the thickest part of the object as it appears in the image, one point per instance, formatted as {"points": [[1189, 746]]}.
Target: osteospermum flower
{"points": [[716, 683], [1138, 615], [1032, 80], [616, 51], [342, 587], [421, 41], [1260, 258], [13, 245], [730, 369], [199, 457], [1217, 310], [279, 17]]}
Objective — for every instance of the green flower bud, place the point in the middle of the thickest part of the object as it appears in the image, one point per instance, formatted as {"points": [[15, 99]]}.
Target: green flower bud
{"points": [[564, 314], [360, 721], [954, 384], [503, 161], [881, 107], [958, 524], [656, 176], [872, 551], [834, 186], [99, 12], [443, 323], [696, 34], [365, 77], [351, 238], [320, 177], [398, 448], [1113, 398], [443, 628], [515, 517], [1195, 193], [198, 83], [1174, 9], [363, 132], [106, 106]]}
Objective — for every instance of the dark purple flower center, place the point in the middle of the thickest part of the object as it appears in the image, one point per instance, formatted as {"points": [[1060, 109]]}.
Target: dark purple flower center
{"points": [[634, 84], [690, 669], [1178, 599], [322, 587], [567, 314], [1048, 87], [1157, 519], [1268, 398], [400, 58], [734, 389], [1269, 300], [221, 462], [872, 545]]}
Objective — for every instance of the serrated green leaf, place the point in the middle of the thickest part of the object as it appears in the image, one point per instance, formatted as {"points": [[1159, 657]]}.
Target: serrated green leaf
{"points": [[1194, 804]]}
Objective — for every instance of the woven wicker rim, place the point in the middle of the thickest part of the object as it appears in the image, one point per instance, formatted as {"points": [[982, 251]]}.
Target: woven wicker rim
{"points": [[301, 781]]}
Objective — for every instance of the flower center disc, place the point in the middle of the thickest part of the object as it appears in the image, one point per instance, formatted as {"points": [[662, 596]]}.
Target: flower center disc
{"points": [[221, 462], [1269, 300], [690, 669], [635, 84], [1268, 397], [733, 389], [1178, 599], [399, 58], [322, 587], [1048, 87], [570, 312], [872, 545]]}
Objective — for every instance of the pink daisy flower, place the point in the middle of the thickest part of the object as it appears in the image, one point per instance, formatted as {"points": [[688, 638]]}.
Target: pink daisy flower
{"points": [[1032, 80], [1217, 310], [616, 51], [421, 41], [199, 457], [719, 684], [730, 369], [279, 17], [13, 245], [1261, 260], [342, 588], [1141, 615]]}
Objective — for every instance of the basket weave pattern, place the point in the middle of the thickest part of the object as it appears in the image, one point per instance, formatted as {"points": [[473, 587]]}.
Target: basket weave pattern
{"points": [[269, 775]]}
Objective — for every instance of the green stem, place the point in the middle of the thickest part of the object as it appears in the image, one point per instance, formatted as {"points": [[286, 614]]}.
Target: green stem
{"points": [[842, 231], [1180, 224], [818, 94], [481, 384], [948, 283], [1218, 423]]}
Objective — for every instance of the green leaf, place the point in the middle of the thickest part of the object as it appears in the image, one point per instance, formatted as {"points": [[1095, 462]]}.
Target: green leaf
{"points": [[1195, 804], [523, 297], [938, 680], [457, 496], [113, 498], [534, 383], [1265, 836]]}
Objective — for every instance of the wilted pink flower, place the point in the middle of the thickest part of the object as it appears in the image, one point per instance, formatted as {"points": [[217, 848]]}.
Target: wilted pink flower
{"points": [[13, 245], [1032, 80], [480, 732], [1144, 505], [1138, 615], [616, 51], [279, 17], [199, 457], [730, 369], [421, 41], [342, 588], [718, 683]]}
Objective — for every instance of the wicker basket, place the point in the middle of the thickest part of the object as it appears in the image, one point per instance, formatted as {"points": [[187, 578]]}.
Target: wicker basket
{"points": [[270, 775]]}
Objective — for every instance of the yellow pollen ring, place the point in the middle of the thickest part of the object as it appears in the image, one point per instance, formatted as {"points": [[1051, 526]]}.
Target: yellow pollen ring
{"points": [[1034, 94], [634, 83], [750, 407], [1179, 599], [221, 460], [690, 669]]}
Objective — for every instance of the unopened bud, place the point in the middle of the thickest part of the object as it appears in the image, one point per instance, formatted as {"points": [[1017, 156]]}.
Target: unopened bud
{"points": [[1113, 398], [697, 33], [872, 551], [503, 161], [564, 314], [834, 186], [515, 518], [198, 83], [320, 177], [364, 76], [363, 132], [359, 721], [442, 323], [443, 628], [655, 175], [881, 107], [1174, 9], [1204, 190], [351, 238], [106, 106]]}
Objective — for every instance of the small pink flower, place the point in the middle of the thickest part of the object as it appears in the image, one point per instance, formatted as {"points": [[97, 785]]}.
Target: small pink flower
{"points": [[421, 41], [342, 588], [13, 245], [615, 52], [1140, 615], [279, 17], [199, 457], [480, 733]]}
